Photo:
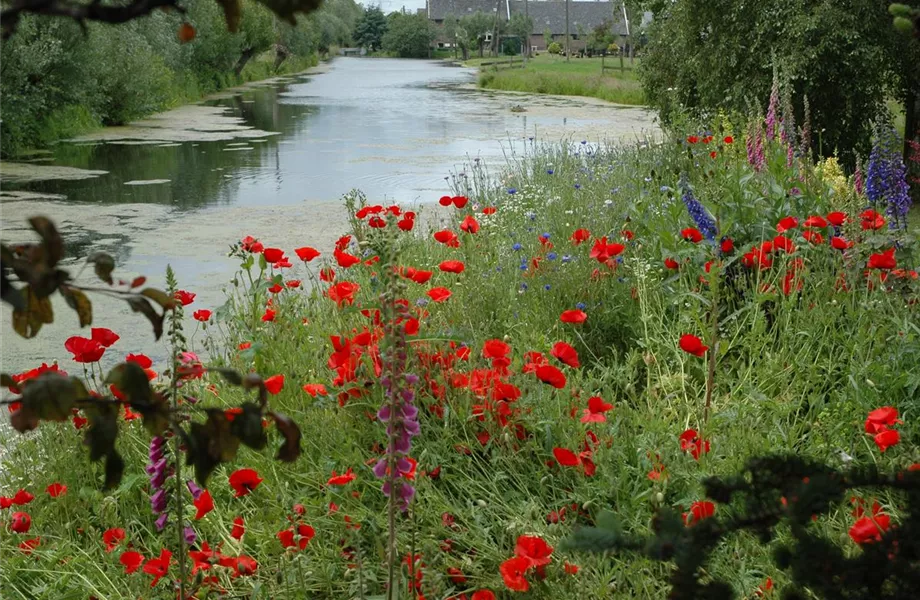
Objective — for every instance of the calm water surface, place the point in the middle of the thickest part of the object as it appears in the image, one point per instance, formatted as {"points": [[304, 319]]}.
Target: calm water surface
{"points": [[394, 129]]}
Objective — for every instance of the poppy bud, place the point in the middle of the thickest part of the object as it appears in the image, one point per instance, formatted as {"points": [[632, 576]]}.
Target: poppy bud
{"points": [[659, 498], [481, 503]]}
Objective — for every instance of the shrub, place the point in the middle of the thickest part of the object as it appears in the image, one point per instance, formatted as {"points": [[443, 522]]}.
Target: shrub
{"points": [[554, 48]]}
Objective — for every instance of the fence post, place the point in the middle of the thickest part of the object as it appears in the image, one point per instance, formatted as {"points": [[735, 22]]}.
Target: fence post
{"points": [[603, 54], [622, 67]]}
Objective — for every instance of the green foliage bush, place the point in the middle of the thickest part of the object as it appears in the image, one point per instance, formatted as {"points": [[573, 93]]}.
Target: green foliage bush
{"points": [[55, 81], [554, 48], [408, 36]]}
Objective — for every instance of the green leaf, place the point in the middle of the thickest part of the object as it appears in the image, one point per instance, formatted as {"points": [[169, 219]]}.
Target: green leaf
{"points": [[290, 449], [103, 265], [52, 243], [114, 469], [103, 430], [248, 426], [78, 301], [165, 301], [51, 397], [38, 312], [141, 305], [131, 380]]}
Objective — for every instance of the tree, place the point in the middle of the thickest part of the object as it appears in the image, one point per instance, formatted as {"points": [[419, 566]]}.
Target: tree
{"points": [[408, 35], [450, 28], [477, 26], [705, 55], [521, 27], [600, 37], [370, 29], [547, 36]]}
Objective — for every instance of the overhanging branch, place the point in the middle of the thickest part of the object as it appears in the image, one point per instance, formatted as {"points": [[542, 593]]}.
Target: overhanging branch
{"points": [[95, 11]]}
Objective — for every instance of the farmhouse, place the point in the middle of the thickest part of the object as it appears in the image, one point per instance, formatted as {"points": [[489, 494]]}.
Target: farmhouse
{"points": [[547, 15]]}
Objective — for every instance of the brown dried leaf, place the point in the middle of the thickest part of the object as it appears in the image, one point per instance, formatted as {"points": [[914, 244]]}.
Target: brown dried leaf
{"points": [[290, 449], [103, 265], [78, 301], [51, 240]]}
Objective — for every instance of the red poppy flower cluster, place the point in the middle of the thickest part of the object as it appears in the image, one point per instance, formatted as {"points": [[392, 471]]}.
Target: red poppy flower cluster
{"points": [[868, 529], [90, 350], [699, 510], [690, 441], [377, 216], [531, 554], [878, 425]]}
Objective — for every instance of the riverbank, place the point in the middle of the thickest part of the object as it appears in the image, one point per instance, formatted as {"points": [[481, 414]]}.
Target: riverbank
{"points": [[545, 323], [551, 74]]}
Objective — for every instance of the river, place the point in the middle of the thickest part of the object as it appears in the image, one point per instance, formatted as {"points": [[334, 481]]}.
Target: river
{"points": [[272, 161]]}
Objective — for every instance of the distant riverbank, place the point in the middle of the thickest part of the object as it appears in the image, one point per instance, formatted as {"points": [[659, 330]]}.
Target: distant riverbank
{"points": [[551, 74]]}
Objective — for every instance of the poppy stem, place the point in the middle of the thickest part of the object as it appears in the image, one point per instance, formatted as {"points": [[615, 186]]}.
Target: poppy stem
{"points": [[713, 340]]}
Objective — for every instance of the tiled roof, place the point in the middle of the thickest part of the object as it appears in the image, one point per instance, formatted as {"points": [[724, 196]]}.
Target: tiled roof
{"points": [[545, 14]]}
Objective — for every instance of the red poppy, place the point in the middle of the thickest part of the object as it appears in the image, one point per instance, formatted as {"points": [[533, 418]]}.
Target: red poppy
{"points": [[483, 595], [202, 315], [185, 298], [112, 537], [203, 504], [602, 251], [887, 438], [692, 345], [881, 418], [816, 221], [813, 236], [244, 481], [142, 360], [345, 478], [781, 242], [456, 576], [307, 253], [106, 337], [692, 139], [566, 354], [513, 571], [871, 220], [344, 259], [534, 549], [838, 243], [870, 529], [837, 218], [131, 560], [158, 567], [251, 244], [407, 222], [691, 234], [273, 255], [551, 375], [448, 238], [296, 538], [274, 384], [268, 316], [580, 235], [595, 411], [885, 260], [469, 225], [698, 511], [570, 569], [327, 274], [787, 223], [452, 266], [315, 389], [84, 350], [670, 263], [20, 522], [56, 489], [343, 292], [573, 316], [439, 294], [727, 246], [691, 442], [238, 529], [21, 498]]}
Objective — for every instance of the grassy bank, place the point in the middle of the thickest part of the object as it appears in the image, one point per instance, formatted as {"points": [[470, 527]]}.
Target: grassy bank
{"points": [[806, 343], [549, 74]]}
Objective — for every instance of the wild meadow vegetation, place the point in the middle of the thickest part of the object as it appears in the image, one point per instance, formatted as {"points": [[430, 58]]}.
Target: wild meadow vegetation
{"points": [[552, 361], [57, 80], [551, 74]]}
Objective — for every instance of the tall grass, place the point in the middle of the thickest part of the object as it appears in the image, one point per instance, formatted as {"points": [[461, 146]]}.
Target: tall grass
{"points": [[604, 87]]}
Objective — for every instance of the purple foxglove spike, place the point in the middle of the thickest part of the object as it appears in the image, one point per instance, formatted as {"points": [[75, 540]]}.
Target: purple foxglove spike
{"points": [[384, 413], [411, 378], [407, 395], [190, 536], [380, 469], [162, 521], [403, 444], [403, 465], [158, 479], [411, 427], [409, 412], [194, 489]]}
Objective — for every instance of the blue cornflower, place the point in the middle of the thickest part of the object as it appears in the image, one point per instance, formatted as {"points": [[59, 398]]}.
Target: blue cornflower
{"points": [[532, 216], [566, 258], [549, 171], [581, 306], [523, 266], [544, 235], [512, 190], [516, 247], [421, 302], [523, 286], [546, 287], [551, 256], [577, 186]]}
